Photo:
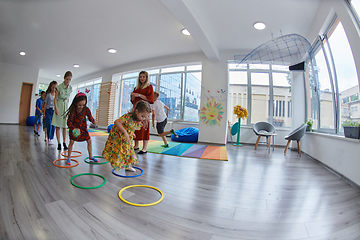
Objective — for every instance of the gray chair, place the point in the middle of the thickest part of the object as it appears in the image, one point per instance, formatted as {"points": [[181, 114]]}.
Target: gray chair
{"points": [[264, 129], [295, 135]]}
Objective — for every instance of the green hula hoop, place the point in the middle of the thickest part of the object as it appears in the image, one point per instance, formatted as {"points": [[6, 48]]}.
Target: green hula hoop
{"points": [[141, 205], [93, 174], [96, 163]]}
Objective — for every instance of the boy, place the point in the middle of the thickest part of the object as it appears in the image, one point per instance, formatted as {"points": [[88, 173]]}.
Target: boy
{"points": [[38, 113], [161, 118]]}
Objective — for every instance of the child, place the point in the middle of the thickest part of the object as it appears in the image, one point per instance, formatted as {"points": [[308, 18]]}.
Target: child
{"points": [[38, 113], [161, 118], [77, 113], [48, 108], [119, 150]]}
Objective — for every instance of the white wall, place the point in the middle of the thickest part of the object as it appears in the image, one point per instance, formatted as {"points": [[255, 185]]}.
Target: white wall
{"points": [[339, 153], [11, 79]]}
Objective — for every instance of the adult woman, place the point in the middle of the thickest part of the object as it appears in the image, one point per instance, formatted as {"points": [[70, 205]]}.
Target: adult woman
{"points": [[61, 100], [142, 91]]}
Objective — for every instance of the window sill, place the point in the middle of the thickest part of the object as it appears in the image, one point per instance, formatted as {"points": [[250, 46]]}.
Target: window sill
{"points": [[333, 136]]}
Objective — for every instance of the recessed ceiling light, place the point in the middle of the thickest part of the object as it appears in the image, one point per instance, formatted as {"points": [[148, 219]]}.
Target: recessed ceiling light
{"points": [[58, 75], [76, 65], [112, 50], [22, 53], [185, 32], [259, 25]]}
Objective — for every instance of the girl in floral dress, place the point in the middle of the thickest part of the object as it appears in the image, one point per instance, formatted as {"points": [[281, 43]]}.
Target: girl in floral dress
{"points": [[118, 148], [77, 113]]}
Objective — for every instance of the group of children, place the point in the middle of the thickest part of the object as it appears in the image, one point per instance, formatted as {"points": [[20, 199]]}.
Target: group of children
{"points": [[119, 150]]}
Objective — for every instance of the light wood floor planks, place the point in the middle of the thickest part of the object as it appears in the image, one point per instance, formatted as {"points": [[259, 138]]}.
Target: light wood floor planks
{"points": [[254, 195]]}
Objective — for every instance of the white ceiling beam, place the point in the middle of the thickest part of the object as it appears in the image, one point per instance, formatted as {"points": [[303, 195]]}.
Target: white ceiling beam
{"points": [[181, 11]]}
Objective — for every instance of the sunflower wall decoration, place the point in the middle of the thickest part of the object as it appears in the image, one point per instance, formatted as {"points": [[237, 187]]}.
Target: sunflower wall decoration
{"points": [[211, 113]]}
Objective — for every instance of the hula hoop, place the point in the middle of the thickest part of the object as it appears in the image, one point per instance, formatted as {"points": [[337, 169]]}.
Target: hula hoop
{"points": [[93, 174], [141, 205], [131, 176], [63, 154], [70, 166], [98, 163]]}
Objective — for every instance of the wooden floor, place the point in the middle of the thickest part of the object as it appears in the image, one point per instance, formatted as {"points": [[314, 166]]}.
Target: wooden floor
{"points": [[254, 195]]}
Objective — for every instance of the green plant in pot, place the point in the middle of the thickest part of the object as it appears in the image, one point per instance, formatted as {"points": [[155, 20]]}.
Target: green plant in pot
{"points": [[309, 124], [351, 129]]}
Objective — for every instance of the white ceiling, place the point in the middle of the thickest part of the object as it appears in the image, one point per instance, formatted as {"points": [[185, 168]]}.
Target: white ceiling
{"points": [[56, 34]]}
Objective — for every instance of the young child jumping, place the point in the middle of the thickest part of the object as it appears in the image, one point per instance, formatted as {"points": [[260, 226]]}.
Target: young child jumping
{"points": [[39, 113], [77, 113], [119, 150], [161, 118]]}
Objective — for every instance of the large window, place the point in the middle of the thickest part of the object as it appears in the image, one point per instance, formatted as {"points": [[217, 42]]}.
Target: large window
{"points": [[179, 88], [333, 82], [270, 97], [92, 90]]}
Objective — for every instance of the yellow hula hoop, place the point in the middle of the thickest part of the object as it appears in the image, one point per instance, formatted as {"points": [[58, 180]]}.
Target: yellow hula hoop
{"points": [[141, 205]]}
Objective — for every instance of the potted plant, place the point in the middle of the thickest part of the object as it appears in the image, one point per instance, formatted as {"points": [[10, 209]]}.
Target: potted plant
{"points": [[351, 129], [309, 124]]}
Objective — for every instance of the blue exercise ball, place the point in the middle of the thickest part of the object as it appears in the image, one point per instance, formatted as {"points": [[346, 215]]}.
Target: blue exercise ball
{"points": [[109, 127], [30, 121]]}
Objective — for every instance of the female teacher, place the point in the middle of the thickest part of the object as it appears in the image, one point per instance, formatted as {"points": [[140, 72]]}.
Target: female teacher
{"points": [[143, 91], [61, 104]]}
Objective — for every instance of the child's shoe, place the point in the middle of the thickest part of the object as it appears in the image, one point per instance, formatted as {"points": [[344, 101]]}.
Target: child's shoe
{"points": [[165, 146], [130, 169], [59, 147], [68, 161], [37, 134], [172, 131], [50, 142], [65, 147], [94, 159]]}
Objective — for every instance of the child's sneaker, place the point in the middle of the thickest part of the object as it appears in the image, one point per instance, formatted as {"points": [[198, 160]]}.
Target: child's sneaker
{"points": [[50, 142], [165, 146], [68, 161], [94, 159], [131, 169], [37, 134], [65, 147], [59, 146], [172, 131]]}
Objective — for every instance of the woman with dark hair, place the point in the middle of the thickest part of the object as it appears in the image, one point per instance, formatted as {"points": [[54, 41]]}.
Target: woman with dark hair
{"points": [[143, 91]]}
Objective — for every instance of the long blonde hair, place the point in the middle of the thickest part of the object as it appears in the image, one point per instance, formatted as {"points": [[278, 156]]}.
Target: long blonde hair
{"points": [[147, 83]]}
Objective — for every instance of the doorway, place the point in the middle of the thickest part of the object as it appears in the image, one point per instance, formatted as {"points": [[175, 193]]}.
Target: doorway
{"points": [[25, 101]]}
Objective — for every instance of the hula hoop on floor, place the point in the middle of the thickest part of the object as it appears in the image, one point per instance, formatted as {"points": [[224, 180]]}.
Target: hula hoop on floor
{"points": [[130, 176], [96, 163], [93, 174], [69, 166], [141, 205], [63, 154]]}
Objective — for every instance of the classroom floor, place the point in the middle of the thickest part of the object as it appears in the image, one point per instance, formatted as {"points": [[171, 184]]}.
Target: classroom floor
{"points": [[254, 195]]}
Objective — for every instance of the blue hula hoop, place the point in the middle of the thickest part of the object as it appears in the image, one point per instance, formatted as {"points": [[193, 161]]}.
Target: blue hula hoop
{"points": [[131, 176]]}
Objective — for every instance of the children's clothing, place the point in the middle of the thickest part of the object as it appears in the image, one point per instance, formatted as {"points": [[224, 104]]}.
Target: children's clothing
{"points": [[117, 150], [49, 112], [79, 121], [38, 118]]}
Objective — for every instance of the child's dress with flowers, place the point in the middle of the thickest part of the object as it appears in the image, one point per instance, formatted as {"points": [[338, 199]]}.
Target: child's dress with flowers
{"points": [[117, 151]]}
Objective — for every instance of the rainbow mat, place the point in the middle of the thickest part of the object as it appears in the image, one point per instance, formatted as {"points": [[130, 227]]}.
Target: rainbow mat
{"points": [[189, 150], [95, 132]]}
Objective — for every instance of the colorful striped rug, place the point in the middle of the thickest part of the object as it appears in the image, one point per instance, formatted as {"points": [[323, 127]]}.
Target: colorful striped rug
{"points": [[189, 150], [95, 132]]}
